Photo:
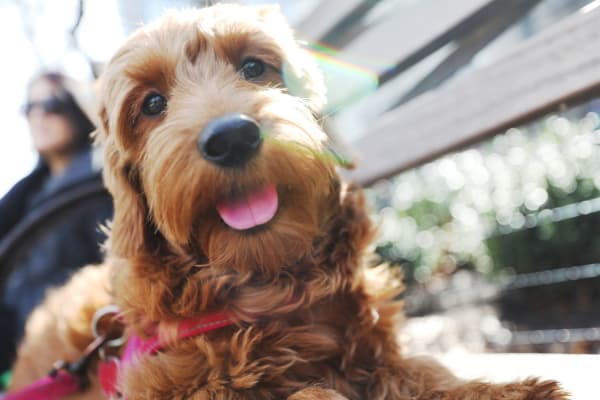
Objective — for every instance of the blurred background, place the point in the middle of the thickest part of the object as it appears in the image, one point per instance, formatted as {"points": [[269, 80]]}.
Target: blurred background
{"points": [[474, 125]]}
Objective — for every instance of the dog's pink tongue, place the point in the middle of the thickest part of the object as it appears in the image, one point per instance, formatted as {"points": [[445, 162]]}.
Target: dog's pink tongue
{"points": [[256, 208]]}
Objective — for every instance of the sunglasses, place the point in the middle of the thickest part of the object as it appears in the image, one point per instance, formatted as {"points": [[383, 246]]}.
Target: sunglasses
{"points": [[51, 105]]}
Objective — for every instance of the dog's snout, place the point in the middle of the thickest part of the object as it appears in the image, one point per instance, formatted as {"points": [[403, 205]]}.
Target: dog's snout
{"points": [[230, 140]]}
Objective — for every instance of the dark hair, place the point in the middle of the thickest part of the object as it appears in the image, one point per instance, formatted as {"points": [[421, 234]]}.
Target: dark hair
{"points": [[82, 125]]}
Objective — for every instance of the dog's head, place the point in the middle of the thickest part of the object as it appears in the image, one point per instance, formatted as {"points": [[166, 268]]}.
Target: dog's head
{"points": [[213, 152]]}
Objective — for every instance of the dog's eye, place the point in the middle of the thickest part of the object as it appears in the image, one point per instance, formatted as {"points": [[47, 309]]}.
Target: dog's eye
{"points": [[154, 104], [252, 68]]}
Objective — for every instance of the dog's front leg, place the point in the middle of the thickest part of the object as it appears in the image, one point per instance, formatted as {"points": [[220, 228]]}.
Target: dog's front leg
{"points": [[530, 389], [316, 393], [421, 378]]}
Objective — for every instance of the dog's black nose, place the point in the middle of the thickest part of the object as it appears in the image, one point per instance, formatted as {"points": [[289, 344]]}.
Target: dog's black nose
{"points": [[230, 140]]}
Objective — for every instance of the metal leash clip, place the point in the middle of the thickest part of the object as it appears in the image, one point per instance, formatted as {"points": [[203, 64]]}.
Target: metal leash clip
{"points": [[79, 367], [109, 365], [107, 311]]}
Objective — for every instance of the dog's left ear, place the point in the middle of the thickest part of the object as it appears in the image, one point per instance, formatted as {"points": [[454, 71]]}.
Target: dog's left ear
{"points": [[301, 74]]}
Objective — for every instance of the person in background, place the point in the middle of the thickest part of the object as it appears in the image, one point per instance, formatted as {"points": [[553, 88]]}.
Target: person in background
{"points": [[50, 220]]}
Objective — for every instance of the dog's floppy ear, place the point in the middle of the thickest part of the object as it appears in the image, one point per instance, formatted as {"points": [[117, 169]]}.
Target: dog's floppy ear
{"points": [[127, 230]]}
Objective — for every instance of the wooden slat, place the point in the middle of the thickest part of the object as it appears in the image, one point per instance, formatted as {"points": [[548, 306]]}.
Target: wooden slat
{"points": [[500, 17], [560, 64], [405, 31], [487, 17], [350, 26], [324, 17]]}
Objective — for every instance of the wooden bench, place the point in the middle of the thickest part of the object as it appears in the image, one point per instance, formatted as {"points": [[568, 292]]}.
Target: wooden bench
{"points": [[555, 69]]}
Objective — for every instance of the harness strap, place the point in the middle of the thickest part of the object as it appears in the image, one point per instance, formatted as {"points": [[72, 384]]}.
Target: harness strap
{"points": [[64, 379], [49, 387], [69, 378], [108, 375]]}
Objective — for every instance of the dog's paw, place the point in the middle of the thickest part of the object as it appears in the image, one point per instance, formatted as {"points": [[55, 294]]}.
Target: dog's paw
{"points": [[316, 393], [544, 390], [529, 389]]}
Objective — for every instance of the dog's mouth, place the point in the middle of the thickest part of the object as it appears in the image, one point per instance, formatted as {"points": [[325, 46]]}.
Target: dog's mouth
{"points": [[251, 209]]}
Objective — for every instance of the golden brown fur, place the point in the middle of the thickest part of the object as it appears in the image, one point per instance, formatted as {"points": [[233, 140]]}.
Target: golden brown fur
{"points": [[60, 328], [311, 320]]}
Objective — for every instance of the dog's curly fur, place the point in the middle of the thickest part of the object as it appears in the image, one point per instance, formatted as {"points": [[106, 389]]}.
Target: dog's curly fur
{"points": [[312, 321]]}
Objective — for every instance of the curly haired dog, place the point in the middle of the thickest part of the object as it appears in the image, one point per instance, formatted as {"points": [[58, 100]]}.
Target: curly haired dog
{"points": [[227, 199]]}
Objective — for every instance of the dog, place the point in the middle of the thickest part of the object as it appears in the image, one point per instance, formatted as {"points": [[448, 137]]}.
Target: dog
{"points": [[228, 200]]}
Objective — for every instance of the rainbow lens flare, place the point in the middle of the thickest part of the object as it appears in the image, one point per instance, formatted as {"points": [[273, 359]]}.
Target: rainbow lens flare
{"points": [[346, 82]]}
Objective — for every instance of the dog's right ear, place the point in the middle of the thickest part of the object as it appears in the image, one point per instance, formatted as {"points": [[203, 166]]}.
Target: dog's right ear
{"points": [[127, 230]]}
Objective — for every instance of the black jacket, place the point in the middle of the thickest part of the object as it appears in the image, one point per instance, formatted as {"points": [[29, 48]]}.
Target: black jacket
{"points": [[49, 227]]}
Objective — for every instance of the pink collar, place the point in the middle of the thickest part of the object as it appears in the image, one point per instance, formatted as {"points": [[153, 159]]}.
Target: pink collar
{"points": [[186, 329], [108, 370]]}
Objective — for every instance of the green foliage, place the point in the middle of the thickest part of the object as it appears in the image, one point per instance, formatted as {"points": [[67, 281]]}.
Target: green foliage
{"points": [[513, 204]]}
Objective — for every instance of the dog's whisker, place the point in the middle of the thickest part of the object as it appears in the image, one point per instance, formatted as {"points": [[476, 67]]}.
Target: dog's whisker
{"points": [[328, 154]]}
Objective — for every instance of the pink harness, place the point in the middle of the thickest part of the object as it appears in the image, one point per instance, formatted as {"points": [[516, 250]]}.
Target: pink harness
{"points": [[49, 387], [66, 379]]}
